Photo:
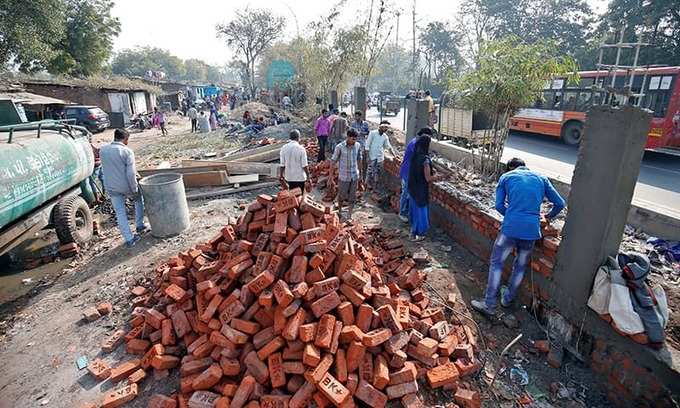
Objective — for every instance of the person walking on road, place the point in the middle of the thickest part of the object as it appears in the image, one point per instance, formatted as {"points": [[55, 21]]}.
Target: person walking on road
{"points": [[192, 113], [361, 126], [376, 144], [338, 130], [294, 171], [519, 195], [120, 181], [347, 155], [158, 120], [420, 176], [322, 129], [404, 198]]}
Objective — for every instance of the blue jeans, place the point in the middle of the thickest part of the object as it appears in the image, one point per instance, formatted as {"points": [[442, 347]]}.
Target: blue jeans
{"points": [[404, 199], [118, 202], [502, 247]]}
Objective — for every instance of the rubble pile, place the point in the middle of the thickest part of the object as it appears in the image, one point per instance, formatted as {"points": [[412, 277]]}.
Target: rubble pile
{"points": [[287, 307]]}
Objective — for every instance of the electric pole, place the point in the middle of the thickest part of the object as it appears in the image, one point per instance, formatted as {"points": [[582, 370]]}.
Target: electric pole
{"points": [[413, 63]]}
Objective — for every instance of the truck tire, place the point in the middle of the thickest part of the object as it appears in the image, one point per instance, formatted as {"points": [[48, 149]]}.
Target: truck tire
{"points": [[73, 220], [572, 133]]}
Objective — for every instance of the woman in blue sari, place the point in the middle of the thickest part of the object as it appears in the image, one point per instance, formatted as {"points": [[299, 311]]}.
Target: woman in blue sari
{"points": [[420, 176]]}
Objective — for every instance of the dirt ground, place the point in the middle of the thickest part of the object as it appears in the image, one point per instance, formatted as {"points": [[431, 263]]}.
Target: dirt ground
{"points": [[42, 333]]}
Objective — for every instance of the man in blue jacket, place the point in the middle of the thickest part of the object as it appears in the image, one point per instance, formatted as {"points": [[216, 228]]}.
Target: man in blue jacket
{"points": [[524, 191]]}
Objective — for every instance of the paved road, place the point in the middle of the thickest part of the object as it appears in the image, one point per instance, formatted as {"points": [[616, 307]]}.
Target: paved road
{"points": [[397, 122], [658, 184]]}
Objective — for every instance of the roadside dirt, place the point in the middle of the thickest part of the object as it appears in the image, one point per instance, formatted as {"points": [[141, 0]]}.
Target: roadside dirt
{"points": [[42, 333]]}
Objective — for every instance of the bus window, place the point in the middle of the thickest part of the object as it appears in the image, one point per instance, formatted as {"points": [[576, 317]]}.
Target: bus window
{"points": [[658, 94], [570, 100], [584, 101]]}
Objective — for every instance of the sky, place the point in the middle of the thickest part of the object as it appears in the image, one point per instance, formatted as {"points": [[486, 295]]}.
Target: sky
{"points": [[187, 28]]}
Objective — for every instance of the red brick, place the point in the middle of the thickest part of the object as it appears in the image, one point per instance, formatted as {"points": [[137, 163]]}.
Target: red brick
{"points": [[167, 333], [377, 337], [120, 397], [399, 390], [381, 372], [164, 362], [137, 376], [406, 374], [99, 369], [467, 398], [277, 376], [274, 401], [154, 318], [325, 304], [324, 331], [302, 396], [195, 366], [113, 341], [256, 367], [355, 355], [311, 355], [243, 392], [202, 399], [442, 375], [207, 378], [180, 323], [175, 292], [123, 370], [412, 401], [370, 395], [333, 390], [137, 346], [363, 317], [273, 346], [282, 293], [245, 326]]}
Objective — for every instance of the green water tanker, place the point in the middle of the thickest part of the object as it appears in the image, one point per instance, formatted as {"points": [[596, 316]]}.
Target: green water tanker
{"points": [[44, 172]]}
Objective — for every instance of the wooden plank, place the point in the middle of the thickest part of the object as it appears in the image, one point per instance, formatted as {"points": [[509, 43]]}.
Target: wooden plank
{"points": [[263, 169], [245, 178], [184, 170], [262, 154], [206, 178], [222, 192]]}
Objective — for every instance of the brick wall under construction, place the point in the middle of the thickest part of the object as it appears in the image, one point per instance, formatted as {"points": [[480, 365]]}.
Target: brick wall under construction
{"points": [[630, 376]]}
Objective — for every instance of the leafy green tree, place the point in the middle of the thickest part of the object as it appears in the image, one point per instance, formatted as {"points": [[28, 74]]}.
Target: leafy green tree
{"points": [[195, 70], [28, 32], [568, 23], [439, 47], [510, 74], [90, 31], [655, 22], [137, 61], [250, 33]]}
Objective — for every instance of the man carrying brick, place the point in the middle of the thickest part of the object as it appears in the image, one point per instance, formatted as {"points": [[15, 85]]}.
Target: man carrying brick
{"points": [[375, 147], [293, 171], [524, 191], [347, 155], [120, 181]]}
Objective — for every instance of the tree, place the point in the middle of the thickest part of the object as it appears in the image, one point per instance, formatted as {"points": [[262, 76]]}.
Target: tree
{"points": [[137, 61], [376, 32], [249, 34], [566, 22], [655, 22], [439, 46], [90, 30], [510, 74], [29, 31]]}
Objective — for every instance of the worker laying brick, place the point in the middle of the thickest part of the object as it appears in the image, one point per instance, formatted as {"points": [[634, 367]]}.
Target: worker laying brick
{"points": [[519, 195]]}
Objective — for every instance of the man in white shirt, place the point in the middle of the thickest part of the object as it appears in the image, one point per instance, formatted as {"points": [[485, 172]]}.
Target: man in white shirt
{"points": [[294, 172], [376, 143], [193, 115]]}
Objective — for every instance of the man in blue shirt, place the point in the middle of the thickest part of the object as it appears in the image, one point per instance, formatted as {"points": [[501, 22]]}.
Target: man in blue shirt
{"points": [[524, 191]]}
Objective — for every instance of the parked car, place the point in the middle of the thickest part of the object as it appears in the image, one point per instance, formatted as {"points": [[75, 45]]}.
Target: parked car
{"points": [[91, 117]]}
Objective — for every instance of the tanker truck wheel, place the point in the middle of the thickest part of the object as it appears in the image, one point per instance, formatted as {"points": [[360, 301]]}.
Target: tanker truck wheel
{"points": [[73, 220]]}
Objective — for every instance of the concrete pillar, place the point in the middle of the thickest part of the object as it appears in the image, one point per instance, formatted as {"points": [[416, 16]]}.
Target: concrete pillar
{"points": [[334, 98], [417, 117], [360, 100], [601, 192]]}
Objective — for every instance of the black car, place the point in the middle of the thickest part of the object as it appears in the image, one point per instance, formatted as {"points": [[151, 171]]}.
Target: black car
{"points": [[92, 117]]}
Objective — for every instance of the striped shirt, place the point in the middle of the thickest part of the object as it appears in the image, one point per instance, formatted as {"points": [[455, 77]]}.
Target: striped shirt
{"points": [[347, 158]]}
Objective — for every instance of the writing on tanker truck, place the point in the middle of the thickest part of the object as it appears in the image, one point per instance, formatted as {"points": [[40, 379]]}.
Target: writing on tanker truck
{"points": [[561, 112]]}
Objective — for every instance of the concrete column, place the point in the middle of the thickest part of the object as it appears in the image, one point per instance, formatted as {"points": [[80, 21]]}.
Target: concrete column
{"points": [[417, 117], [334, 98], [360, 100], [601, 192]]}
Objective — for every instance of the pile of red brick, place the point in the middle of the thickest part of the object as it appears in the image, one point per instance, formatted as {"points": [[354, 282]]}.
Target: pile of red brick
{"points": [[286, 307]]}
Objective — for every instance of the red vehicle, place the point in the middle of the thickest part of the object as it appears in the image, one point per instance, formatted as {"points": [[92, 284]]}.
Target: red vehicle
{"points": [[561, 113]]}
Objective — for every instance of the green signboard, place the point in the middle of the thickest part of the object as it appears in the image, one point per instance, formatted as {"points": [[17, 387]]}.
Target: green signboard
{"points": [[280, 72]]}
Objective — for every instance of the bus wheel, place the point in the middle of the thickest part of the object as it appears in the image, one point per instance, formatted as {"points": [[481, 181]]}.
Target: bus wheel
{"points": [[572, 132]]}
